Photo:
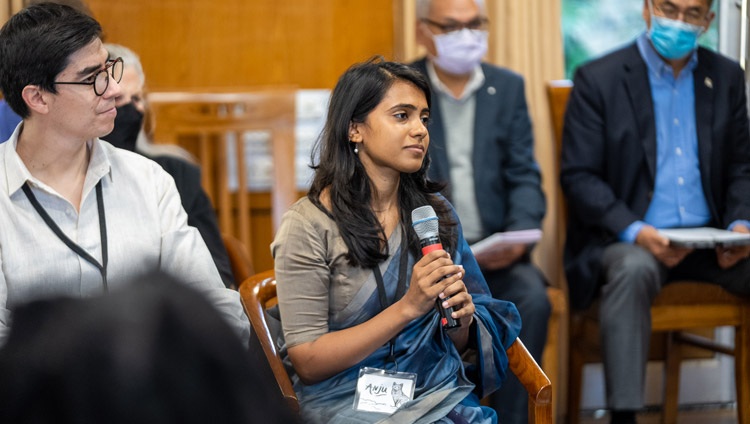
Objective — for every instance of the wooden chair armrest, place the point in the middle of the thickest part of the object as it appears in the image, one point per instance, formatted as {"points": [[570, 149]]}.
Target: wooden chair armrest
{"points": [[254, 297], [239, 258], [532, 377]]}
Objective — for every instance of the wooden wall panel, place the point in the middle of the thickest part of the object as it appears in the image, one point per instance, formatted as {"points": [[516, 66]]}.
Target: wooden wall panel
{"points": [[235, 45], [229, 44]]}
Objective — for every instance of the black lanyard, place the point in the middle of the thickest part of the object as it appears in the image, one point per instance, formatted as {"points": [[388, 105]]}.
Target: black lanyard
{"points": [[400, 288], [76, 248]]}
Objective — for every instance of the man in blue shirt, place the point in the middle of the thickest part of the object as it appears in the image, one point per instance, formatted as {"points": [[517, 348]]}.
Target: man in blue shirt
{"points": [[656, 136]]}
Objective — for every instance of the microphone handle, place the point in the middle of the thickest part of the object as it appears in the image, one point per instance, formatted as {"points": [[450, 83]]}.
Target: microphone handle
{"points": [[446, 319]]}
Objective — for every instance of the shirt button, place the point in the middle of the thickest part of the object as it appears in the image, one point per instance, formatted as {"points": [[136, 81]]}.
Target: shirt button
{"points": [[676, 121], [678, 151], [680, 181]]}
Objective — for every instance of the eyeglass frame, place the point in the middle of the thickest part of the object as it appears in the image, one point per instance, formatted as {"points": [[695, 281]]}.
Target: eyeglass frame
{"points": [[110, 64], [686, 17], [479, 23]]}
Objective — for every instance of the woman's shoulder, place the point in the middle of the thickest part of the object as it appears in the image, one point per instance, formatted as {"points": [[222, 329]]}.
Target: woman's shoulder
{"points": [[304, 210], [305, 225]]}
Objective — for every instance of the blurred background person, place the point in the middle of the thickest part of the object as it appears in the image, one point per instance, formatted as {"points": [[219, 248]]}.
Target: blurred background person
{"points": [[656, 160], [95, 361], [482, 148], [129, 133]]}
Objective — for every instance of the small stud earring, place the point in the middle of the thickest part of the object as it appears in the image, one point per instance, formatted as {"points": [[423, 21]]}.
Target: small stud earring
{"points": [[356, 151]]}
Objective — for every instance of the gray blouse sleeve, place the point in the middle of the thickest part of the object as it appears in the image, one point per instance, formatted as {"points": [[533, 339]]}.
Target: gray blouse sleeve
{"points": [[303, 278]]}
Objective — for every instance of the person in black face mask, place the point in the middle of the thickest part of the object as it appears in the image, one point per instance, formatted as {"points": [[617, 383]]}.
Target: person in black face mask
{"points": [[128, 134], [128, 125]]}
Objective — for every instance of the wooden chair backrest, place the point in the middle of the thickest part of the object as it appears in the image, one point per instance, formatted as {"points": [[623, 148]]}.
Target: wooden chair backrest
{"points": [[259, 292], [214, 127], [558, 92], [239, 259]]}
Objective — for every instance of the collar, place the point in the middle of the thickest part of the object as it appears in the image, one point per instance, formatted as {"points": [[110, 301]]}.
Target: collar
{"points": [[655, 63], [17, 173], [476, 80]]}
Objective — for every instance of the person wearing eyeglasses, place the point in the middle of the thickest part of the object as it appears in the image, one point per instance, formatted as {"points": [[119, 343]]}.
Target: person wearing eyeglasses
{"points": [[9, 119], [655, 136], [79, 216], [482, 148]]}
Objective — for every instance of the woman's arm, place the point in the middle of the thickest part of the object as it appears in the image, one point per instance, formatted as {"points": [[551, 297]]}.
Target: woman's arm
{"points": [[336, 351]]}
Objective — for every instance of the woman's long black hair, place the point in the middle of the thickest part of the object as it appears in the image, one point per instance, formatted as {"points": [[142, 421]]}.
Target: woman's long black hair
{"points": [[359, 90]]}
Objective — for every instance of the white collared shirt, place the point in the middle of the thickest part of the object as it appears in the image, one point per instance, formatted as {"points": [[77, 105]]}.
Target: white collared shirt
{"points": [[146, 227]]}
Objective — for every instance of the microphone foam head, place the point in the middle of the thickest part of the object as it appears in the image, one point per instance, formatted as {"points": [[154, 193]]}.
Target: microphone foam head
{"points": [[425, 222]]}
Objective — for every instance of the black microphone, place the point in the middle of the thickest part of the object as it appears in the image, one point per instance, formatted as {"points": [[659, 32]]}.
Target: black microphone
{"points": [[425, 223]]}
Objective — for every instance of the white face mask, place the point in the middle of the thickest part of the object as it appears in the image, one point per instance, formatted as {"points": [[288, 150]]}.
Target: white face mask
{"points": [[459, 52]]}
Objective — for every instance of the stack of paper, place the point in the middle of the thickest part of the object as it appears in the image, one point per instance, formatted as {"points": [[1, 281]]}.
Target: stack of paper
{"points": [[498, 240], [704, 237]]}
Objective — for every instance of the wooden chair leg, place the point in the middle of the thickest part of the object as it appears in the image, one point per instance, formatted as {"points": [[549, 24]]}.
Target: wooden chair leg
{"points": [[671, 380], [552, 368], [553, 349], [742, 367], [575, 385]]}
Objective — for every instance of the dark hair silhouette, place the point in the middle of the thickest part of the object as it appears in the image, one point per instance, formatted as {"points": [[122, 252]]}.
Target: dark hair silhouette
{"points": [[150, 353], [35, 45], [359, 90]]}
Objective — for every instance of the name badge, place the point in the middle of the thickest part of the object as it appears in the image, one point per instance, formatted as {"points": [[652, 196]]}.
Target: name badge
{"points": [[383, 391]]}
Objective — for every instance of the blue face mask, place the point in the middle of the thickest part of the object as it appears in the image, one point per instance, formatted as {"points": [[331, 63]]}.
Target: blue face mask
{"points": [[673, 39]]}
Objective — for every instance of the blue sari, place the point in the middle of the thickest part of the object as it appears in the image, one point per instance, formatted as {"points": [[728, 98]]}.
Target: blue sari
{"points": [[447, 388]]}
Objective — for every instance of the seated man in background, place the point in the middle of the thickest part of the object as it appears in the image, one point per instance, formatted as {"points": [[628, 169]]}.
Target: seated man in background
{"points": [[656, 136], [129, 134], [79, 216], [96, 361], [483, 148]]}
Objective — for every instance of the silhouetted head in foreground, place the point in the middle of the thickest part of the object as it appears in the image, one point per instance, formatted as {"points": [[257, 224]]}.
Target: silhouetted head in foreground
{"points": [[150, 353]]}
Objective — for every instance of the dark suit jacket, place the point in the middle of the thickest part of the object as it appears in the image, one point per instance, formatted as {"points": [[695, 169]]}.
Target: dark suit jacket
{"points": [[609, 154], [200, 211], [507, 181]]}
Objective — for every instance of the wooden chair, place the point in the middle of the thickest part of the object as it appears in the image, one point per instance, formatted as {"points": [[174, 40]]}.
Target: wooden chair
{"points": [[217, 128], [554, 358], [680, 306], [239, 259], [259, 292]]}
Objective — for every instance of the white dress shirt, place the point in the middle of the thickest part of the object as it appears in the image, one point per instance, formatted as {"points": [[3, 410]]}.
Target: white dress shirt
{"points": [[146, 230]]}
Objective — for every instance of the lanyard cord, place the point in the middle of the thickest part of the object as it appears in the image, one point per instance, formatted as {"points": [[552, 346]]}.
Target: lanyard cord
{"points": [[76, 248], [400, 290]]}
